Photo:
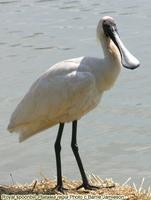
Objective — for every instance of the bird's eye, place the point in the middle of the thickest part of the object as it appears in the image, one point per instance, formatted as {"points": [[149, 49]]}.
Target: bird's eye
{"points": [[115, 28]]}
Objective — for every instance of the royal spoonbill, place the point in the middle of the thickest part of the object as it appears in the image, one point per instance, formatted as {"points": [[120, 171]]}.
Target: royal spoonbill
{"points": [[70, 89]]}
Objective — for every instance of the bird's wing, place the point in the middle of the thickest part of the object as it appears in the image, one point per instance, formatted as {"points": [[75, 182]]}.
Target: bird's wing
{"points": [[81, 91], [51, 97]]}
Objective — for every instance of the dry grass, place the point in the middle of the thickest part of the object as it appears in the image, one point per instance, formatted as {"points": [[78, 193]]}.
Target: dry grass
{"points": [[107, 187]]}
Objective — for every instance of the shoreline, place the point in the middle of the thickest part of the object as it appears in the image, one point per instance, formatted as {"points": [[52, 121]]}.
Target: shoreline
{"points": [[107, 187]]}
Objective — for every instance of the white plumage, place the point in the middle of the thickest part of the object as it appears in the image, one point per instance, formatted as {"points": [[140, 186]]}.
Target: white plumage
{"points": [[67, 90]]}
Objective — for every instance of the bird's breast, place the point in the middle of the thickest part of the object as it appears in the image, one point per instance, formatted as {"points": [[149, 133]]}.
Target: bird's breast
{"points": [[107, 75]]}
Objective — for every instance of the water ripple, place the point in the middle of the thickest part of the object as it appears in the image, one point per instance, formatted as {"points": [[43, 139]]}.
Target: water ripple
{"points": [[44, 48], [3, 43], [15, 45], [68, 7], [52, 47], [7, 2], [43, 1], [33, 35], [139, 148], [127, 13], [108, 12]]}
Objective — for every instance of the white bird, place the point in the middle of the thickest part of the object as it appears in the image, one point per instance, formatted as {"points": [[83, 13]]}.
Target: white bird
{"points": [[70, 89]]}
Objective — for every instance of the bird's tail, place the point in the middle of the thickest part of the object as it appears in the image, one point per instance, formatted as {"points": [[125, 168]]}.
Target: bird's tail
{"points": [[29, 129]]}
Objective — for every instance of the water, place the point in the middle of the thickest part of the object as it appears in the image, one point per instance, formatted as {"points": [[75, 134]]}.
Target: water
{"points": [[114, 139]]}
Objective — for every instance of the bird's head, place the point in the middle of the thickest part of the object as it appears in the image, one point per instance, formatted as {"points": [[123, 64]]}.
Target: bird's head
{"points": [[108, 35]]}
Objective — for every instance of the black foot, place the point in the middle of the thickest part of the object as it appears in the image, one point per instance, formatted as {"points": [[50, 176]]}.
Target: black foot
{"points": [[87, 186], [60, 189]]}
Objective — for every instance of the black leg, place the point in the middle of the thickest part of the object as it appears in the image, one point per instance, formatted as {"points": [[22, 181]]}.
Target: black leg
{"points": [[74, 147], [57, 146]]}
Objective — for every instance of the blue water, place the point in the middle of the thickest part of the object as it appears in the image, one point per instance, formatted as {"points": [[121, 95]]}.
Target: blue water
{"points": [[115, 138]]}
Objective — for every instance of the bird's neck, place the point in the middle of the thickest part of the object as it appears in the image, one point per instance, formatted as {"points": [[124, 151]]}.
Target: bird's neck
{"points": [[112, 65], [111, 52]]}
